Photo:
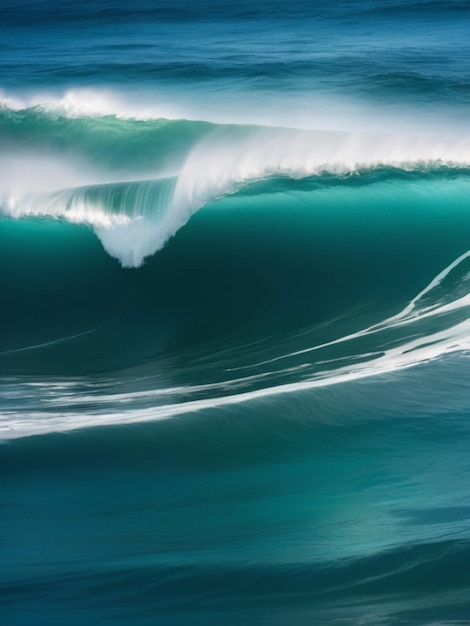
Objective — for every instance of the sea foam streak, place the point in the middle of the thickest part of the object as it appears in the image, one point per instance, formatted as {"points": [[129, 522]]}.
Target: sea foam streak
{"points": [[134, 219], [393, 350]]}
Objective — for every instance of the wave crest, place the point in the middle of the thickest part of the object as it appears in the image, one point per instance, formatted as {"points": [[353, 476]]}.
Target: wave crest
{"points": [[134, 219]]}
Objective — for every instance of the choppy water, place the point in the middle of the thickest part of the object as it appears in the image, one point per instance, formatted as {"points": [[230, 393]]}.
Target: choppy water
{"points": [[234, 316]]}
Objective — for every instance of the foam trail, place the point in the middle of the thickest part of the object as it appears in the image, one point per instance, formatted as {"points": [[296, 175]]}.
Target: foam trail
{"points": [[408, 352], [404, 317], [395, 360], [50, 343]]}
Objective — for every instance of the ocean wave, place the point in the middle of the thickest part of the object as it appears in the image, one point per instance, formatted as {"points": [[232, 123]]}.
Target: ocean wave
{"points": [[134, 219]]}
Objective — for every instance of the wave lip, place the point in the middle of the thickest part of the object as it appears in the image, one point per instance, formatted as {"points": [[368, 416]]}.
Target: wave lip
{"points": [[120, 214]]}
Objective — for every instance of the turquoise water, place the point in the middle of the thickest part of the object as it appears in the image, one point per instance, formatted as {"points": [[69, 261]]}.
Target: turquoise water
{"points": [[234, 315]]}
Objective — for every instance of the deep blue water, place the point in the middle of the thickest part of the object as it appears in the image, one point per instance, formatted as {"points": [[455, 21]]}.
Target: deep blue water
{"points": [[234, 314]]}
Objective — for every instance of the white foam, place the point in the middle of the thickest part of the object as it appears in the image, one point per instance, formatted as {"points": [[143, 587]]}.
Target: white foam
{"points": [[131, 242]]}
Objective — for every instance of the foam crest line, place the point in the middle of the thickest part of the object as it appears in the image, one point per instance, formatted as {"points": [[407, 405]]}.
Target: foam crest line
{"points": [[251, 153], [80, 102]]}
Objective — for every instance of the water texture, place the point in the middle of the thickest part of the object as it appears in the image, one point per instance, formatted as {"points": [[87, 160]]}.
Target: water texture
{"points": [[234, 314]]}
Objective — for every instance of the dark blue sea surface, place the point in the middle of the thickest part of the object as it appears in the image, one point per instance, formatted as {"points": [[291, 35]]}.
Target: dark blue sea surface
{"points": [[234, 313]]}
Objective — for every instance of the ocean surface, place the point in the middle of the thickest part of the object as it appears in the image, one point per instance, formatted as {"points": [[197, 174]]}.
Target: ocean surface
{"points": [[234, 313]]}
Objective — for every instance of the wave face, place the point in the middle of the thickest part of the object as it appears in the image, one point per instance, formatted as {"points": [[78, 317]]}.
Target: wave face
{"points": [[234, 338]]}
